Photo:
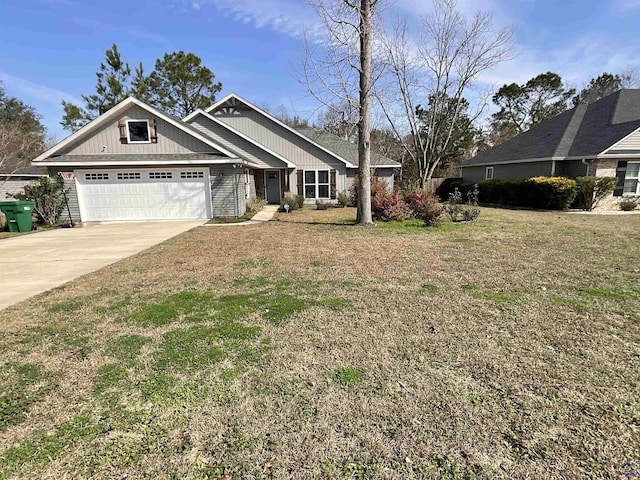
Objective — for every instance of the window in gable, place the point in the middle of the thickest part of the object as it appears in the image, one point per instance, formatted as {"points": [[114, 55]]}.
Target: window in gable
{"points": [[138, 131]]}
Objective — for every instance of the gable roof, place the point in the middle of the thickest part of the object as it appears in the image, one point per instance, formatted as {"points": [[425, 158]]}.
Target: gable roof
{"points": [[19, 168], [233, 99], [116, 111], [584, 131], [344, 148], [238, 133]]}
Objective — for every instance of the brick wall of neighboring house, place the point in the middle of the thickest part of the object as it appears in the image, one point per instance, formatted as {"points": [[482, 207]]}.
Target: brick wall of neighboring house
{"points": [[607, 168]]}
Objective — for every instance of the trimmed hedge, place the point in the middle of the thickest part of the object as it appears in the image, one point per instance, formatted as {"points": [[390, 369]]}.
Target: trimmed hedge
{"points": [[548, 193]]}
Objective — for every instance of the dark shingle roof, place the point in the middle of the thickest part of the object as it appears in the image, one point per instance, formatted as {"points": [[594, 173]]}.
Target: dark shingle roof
{"points": [[584, 131], [17, 167], [342, 148], [139, 157]]}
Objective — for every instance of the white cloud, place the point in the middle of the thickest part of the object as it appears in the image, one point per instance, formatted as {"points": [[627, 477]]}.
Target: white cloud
{"points": [[38, 91]]}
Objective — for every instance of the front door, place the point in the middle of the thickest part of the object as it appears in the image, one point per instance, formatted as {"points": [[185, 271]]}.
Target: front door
{"points": [[273, 186]]}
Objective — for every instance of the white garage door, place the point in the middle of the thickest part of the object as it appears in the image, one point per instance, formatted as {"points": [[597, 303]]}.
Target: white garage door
{"points": [[143, 194]]}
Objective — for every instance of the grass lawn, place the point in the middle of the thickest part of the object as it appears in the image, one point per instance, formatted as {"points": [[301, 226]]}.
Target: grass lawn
{"points": [[309, 348]]}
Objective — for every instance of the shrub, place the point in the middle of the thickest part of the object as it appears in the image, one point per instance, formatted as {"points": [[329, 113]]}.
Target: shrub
{"points": [[320, 205], [343, 199], [299, 199], [458, 211], [255, 204], [628, 205], [291, 201], [49, 199], [556, 193], [593, 189], [424, 206]]}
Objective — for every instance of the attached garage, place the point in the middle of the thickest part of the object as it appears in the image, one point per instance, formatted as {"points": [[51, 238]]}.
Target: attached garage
{"points": [[143, 194]]}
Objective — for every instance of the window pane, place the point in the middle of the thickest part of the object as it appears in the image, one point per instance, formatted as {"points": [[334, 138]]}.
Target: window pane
{"points": [[138, 131], [632, 170], [309, 176], [310, 191], [630, 186], [323, 191], [323, 176]]}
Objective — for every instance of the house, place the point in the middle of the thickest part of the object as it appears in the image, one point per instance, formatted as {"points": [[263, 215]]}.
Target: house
{"points": [[600, 139], [14, 175], [135, 162]]}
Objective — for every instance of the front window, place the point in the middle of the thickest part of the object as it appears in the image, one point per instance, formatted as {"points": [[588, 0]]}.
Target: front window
{"points": [[489, 173], [631, 183], [138, 131], [316, 183]]}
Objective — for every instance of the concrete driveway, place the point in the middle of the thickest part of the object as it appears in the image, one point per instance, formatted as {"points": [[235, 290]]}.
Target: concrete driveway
{"points": [[31, 264]]}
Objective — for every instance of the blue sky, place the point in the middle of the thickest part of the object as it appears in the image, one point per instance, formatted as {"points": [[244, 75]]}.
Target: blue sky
{"points": [[51, 49]]}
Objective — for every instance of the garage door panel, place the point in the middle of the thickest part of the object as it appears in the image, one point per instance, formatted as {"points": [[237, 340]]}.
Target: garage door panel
{"points": [[146, 198]]}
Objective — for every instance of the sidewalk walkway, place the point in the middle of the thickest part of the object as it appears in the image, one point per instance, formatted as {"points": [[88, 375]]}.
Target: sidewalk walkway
{"points": [[264, 215]]}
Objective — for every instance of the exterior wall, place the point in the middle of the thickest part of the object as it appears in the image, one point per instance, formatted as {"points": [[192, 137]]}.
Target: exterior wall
{"points": [[72, 195], [571, 168], [250, 182], [506, 171], [631, 143], [607, 168], [237, 144], [170, 139], [11, 185], [228, 197], [286, 143]]}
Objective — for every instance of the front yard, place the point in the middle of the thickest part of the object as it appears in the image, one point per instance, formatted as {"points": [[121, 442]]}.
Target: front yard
{"points": [[309, 348]]}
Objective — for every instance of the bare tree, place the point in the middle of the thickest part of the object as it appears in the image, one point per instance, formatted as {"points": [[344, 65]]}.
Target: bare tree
{"points": [[340, 73], [428, 78]]}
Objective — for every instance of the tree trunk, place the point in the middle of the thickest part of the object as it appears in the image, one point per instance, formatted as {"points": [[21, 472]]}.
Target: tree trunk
{"points": [[364, 131]]}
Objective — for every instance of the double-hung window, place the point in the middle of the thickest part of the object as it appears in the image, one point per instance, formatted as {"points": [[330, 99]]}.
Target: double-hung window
{"points": [[631, 179], [316, 184]]}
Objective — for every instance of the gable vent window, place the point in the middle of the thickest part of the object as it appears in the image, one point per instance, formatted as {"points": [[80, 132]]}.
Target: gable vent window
{"points": [[96, 176], [160, 175], [137, 131], [191, 174], [128, 176]]}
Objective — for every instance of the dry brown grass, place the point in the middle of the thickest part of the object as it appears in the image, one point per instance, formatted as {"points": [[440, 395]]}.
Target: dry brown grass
{"points": [[505, 349]]}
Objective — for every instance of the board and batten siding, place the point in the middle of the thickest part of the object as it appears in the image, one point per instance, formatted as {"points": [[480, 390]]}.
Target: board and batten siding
{"points": [[170, 139], [506, 171], [285, 143], [235, 143], [228, 196], [72, 195]]}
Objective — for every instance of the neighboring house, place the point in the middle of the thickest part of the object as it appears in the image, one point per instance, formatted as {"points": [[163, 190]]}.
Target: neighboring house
{"points": [[599, 139], [135, 162], [14, 175]]}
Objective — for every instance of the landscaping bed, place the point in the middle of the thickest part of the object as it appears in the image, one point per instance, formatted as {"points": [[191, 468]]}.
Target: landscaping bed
{"points": [[310, 348]]}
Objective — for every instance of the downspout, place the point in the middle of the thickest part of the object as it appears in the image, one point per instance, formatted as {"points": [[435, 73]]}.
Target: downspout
{"points": [[553, 168], [235, 191], [584, 161]]}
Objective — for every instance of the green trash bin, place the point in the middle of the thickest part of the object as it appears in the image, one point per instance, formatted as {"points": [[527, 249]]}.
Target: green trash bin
{"points": [[19, 215]]}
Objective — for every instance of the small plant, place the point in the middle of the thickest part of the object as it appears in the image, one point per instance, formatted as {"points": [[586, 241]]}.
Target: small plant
{"points": [[424, 206], [290, 200], [320, 205], [343, 199], [48, 197], [348, 376], [628, 205], [300, 200], [458, 211], [593, 189], [255, 204]]}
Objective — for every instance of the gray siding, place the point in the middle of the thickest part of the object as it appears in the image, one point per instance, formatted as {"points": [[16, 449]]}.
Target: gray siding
{"points": [[506, 171], [385, 174], [571, 168], [630, 143], [237, 144], [13, 185], [170, 139], [228, 197], [285, 143], [72, 196]]}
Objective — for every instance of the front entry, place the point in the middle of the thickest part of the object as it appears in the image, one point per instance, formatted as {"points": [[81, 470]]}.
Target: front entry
{"points": [[273, 186]]}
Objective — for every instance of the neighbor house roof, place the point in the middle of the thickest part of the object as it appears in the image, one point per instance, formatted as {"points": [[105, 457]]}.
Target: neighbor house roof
{"points": [[585, 131], [117, 110], [20, 168], [344, 148], [141, 159]]}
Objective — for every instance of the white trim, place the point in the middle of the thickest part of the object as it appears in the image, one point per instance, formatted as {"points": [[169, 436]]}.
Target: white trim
{"points": [[618, 155], [486, 173], [604, 152], [278, 122], [528, 160], [114, 112], [117, 163], [316, 184], [129, 132], [240, 134]]}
